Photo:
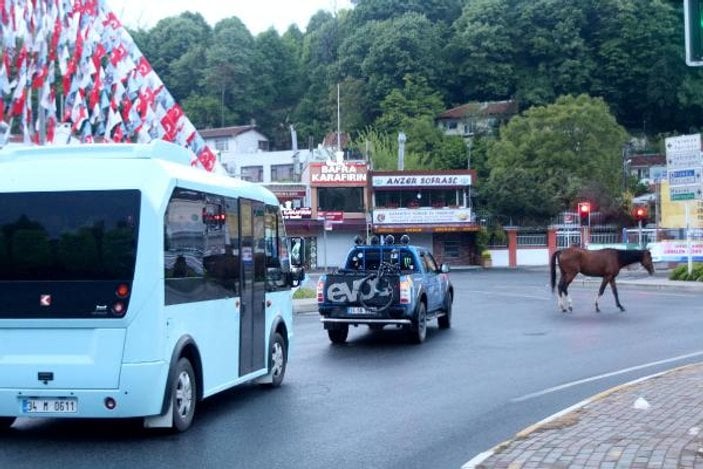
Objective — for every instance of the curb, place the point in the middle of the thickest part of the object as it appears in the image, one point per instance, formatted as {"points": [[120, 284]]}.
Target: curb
{"points": [[476, 461], [307, 305]]}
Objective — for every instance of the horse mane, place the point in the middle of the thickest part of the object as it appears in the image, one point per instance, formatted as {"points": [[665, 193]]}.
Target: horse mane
{"points": [[630, 256]]}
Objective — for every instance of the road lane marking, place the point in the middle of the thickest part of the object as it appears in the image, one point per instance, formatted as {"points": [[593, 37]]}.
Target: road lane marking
{"points": [[603, 376]]}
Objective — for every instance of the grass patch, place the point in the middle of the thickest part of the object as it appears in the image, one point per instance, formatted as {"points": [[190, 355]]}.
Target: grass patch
{"points": [[303, 292]]}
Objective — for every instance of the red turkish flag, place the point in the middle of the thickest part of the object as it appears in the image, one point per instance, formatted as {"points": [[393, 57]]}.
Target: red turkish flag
{"points": [[118, 54], [144, 66], [207, 158], [112, 21]]}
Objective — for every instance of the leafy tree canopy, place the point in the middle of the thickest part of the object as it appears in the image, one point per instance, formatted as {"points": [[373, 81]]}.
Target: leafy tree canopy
{"points": [[545, 158]]}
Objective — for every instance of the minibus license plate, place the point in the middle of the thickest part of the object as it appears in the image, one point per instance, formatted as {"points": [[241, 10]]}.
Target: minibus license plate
{"points": [[49, 406]]}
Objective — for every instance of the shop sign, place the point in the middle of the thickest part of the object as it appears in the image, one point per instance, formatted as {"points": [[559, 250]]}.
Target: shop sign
{"points": [[422, 180], [338, 174], [675, 251], [296, 213], [421, 216], [289, 194], [336, 216]]}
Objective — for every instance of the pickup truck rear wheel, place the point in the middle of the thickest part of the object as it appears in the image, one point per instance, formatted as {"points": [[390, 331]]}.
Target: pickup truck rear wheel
{"points": [[445, 321], [418, 331], [338, 335]]}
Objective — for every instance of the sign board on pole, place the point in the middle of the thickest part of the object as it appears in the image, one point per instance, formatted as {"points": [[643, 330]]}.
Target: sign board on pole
{"points": [[684, 164], [683, 151], [685, 192], [680, 177]]}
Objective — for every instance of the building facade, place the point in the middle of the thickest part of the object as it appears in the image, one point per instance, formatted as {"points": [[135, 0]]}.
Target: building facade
{"points": [[235, 139], [433, 207]]}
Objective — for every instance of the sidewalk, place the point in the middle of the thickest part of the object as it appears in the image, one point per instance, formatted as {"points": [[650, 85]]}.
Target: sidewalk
{"points": [[653, 422]]}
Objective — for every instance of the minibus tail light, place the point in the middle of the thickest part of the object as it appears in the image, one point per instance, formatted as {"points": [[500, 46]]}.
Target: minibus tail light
{"points": [[122, 290], [118, 309]]}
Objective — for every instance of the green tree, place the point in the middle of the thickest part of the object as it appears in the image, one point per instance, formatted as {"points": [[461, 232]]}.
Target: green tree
{"points": [[416, 100], [481, 52], [175, 48], [315, 113], [639, 52], [549, 156], [405, 45], [277, 91], [228, 71], [204, 111], [381, 10]]}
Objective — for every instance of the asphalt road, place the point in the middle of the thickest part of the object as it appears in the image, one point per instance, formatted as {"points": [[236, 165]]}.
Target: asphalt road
{"points": [[509, 360]]}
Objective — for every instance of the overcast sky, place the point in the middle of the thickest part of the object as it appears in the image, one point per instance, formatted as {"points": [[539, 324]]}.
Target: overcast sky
{"points": [[257, 15]]}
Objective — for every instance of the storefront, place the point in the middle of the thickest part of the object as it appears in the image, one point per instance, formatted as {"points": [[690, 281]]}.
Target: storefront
{"points": [[432, 207], [339, 199]]}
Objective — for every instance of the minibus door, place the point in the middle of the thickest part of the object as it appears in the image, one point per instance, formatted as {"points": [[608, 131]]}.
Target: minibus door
{"points": [[252, 313]]}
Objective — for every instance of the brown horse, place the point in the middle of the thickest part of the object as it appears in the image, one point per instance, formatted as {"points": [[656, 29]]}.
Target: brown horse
{"points": [[604, 263]]}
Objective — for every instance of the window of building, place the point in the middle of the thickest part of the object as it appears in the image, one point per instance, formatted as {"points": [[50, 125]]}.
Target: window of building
{"points": [[451, 125], [348, 199], [263, 145], [282, 173], [253, 173], [221, 144], [451, 249]]}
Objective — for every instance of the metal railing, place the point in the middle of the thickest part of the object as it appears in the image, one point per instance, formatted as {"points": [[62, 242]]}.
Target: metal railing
{"points": [[532, 240]]}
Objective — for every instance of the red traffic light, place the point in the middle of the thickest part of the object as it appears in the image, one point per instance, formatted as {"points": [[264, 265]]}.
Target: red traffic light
{"points": [[584, 208], [640, 213]]}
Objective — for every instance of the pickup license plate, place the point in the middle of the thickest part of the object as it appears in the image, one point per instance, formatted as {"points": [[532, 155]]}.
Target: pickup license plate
{"points": [[356, 310], [49, 406]]}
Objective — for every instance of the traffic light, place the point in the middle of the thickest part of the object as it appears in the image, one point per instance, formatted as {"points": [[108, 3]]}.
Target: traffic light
{"points": [[693, 25], [640, 213], [584, 212]]}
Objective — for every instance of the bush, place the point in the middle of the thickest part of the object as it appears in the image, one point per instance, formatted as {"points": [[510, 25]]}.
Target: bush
{"points": [[681, 273], [303, 292]]}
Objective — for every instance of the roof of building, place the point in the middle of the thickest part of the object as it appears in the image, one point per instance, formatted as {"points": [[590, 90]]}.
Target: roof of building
{"points": [[484, 109], [647, 160], [226, 131]]}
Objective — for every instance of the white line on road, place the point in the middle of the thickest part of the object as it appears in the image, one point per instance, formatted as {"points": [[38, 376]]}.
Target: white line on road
{"points": [[606, 375]]}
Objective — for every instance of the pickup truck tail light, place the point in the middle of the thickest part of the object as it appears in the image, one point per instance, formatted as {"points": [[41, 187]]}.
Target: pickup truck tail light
{"points": [[320, 291], [406, 288]]}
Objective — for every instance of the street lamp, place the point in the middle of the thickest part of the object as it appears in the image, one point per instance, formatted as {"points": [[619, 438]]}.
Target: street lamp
{"points": [[626, 153], [401, 151]]}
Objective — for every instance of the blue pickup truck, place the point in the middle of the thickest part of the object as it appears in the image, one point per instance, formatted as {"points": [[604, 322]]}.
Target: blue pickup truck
{"points": [[385, 285]]}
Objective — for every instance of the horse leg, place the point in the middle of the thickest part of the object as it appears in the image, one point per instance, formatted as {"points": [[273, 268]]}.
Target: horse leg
{"points": [[600, 292], [615, 294], [564, 282], [560, 295]]}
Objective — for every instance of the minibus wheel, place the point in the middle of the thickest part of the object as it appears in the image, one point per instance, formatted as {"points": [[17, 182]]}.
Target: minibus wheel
{"points": [[183, 395], [277, 360]]}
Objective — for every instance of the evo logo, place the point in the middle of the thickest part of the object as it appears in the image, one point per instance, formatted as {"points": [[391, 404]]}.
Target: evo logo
{"points": [[363, 288]]}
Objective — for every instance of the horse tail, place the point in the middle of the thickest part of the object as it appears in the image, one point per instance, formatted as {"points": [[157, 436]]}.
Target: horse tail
{"points": [[553, 268]]}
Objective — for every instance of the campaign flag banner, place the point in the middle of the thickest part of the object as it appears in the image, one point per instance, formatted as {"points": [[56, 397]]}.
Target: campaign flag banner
{"points": [[107, 89]]}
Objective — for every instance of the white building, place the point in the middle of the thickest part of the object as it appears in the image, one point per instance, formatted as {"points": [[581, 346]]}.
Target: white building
{"points": [[236, 139]]}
